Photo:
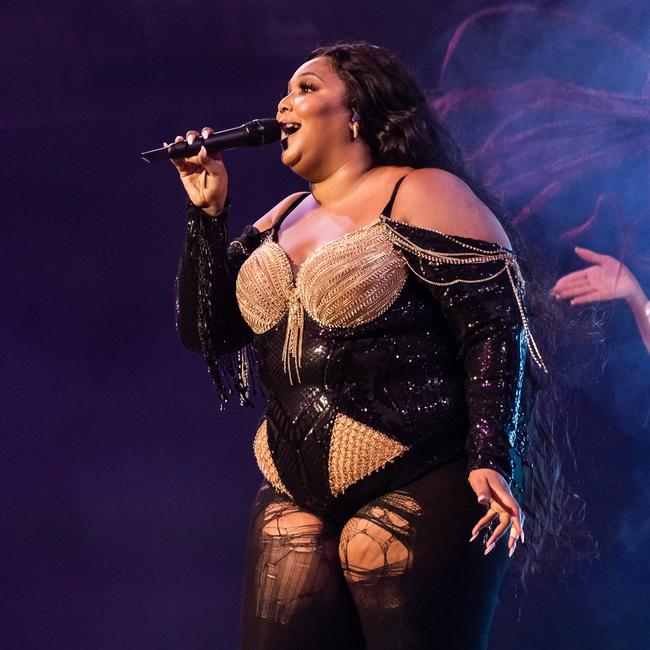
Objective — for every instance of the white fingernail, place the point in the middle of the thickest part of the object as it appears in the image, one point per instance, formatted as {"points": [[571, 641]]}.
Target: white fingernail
{"points": [[489, 548], [473, 537], [512, 549]]}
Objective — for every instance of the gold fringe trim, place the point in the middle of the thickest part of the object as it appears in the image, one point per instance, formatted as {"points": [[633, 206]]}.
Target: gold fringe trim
{"points": [[292, 350]]}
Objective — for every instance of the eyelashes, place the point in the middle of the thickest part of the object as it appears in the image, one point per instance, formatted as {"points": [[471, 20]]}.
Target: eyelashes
{"points": [[304, 87]]}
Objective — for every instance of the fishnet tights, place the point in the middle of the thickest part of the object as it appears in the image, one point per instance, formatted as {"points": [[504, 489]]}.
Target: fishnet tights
{"points": [[400, 574]]}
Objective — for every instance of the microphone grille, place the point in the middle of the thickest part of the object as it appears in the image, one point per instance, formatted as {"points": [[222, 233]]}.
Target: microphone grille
{"points": [[263, 131]]}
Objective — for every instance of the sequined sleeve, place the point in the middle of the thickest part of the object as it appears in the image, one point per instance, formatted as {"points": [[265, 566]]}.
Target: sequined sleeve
{"points": [[208, 319], [480, 291]]}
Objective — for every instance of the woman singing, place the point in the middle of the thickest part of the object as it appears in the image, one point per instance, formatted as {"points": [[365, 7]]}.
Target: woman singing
{"points": [[384, 313]]}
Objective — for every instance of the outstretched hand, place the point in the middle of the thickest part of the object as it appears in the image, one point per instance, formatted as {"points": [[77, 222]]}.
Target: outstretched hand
{"points": [[607, 279], [493, 491]]}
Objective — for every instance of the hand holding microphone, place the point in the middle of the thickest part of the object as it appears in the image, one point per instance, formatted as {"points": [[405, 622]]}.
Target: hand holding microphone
{"points": [[199, 162], [203, 175]]}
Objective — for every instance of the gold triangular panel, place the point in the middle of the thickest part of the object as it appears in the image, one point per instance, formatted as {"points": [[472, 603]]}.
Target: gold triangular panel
{"points": [[357, 450], [265, 459]]}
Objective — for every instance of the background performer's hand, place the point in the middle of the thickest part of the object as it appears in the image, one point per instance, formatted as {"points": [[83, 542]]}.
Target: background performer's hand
{"points": [[607, 279]]}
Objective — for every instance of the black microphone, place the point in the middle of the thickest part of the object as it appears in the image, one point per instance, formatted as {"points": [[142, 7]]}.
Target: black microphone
{"points": [[251, 134]]}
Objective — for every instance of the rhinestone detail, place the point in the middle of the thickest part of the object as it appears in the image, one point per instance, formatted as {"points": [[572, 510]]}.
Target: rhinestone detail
{"points": [[357, 450], [265, 459]]}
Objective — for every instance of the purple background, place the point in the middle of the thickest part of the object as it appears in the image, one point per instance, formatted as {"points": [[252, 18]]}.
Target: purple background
{"points": [[125, 493]]}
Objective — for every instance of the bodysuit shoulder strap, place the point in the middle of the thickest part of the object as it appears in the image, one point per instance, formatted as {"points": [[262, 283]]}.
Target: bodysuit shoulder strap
{"points": [[292, 206], [389, 206]]}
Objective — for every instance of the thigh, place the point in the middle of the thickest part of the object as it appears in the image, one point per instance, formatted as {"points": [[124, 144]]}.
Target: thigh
{"points": [[415, 578], [295, 595]]}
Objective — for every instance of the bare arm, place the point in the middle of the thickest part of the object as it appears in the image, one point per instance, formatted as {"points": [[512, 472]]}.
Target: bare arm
{"points": [[640, 307]]}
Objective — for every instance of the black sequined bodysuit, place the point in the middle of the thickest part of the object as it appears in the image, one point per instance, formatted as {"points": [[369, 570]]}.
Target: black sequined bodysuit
{"points": [[394, 349]]}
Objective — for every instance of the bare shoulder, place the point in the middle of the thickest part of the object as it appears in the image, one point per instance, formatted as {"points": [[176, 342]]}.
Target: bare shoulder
{"points": [[439, 200], [266, 221]]}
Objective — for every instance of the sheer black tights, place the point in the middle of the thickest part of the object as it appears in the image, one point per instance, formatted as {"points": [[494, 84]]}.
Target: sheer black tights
{"points": [[400, 574]]}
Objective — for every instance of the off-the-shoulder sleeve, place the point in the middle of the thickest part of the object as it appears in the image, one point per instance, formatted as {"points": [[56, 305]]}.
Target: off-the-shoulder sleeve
{"points": [[481, 293], [208, 319]]}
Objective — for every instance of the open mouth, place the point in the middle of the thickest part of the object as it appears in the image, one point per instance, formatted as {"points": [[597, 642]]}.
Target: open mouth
{"points": [[288, 129]]}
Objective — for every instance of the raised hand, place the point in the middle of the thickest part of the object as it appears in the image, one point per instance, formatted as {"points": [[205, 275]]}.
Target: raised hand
{"points": [[203, 176], [607, 279]]}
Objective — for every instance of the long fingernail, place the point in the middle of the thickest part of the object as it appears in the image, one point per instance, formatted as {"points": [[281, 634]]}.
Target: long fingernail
{"points": [[473, 537], [489, 548], [522, 536], [512, 549]]}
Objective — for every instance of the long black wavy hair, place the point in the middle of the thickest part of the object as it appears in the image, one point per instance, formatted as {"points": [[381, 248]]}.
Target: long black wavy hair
{"points": [[399, 127]]}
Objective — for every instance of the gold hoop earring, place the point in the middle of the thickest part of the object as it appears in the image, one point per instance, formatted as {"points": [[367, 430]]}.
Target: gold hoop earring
{"points": [[355, 125]]}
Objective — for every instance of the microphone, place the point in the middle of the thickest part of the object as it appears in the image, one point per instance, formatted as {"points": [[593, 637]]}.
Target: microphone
{"points": [[251, 134]]}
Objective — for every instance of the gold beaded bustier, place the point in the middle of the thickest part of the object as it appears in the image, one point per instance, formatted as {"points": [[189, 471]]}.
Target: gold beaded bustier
{"points": [[346, 282], [392, 350]]}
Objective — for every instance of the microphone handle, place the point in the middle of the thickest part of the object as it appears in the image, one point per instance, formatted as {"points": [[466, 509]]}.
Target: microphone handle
{"points": [[251, 134], [219, 141], [228, 139]]}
